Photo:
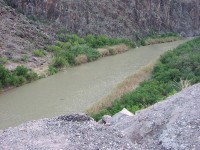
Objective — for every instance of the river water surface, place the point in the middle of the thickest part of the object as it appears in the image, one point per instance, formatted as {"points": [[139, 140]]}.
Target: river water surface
{"points": [[75, 89]]}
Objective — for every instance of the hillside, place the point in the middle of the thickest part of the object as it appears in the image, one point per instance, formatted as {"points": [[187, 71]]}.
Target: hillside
{"points": [[31, 25], [19, 35]]}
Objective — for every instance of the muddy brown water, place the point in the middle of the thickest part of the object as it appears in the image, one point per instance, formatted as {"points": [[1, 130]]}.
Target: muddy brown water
{"points": [[75, 89]]}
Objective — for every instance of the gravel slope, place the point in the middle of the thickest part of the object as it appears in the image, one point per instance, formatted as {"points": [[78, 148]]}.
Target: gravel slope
{"points": [[72, 132]]}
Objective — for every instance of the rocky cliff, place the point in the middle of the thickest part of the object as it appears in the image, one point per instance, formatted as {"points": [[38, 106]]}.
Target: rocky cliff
{"points": [[116, 18]]}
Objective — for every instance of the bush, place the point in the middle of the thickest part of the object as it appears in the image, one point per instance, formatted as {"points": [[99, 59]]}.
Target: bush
{"points": [[52, 70], [24, 58], [101, 41], [4, 75], [1, 86], [38, 53], [21, 71], [31, 76], [90, 40], [54, 49], [17, 77], [3, 60], [64, 45], [71, 38], [59, 62], [84, 49]]}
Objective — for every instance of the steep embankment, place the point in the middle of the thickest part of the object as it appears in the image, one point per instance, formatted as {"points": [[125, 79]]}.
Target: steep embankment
{"points": [[171, 124], [117, 18], [18, 36]]}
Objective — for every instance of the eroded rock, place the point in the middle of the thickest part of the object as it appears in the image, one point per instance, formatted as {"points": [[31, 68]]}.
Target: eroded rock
{"points": [[117, 18]]}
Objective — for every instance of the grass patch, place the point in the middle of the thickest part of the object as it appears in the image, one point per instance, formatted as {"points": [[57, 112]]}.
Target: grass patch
{"points": [[3, 60], [81, 59], [38, 53], [159, 38], [175, 70], [59, 62]]}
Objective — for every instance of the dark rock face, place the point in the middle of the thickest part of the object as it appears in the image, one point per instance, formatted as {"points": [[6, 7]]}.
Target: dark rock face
{"points": [[121, 18]]}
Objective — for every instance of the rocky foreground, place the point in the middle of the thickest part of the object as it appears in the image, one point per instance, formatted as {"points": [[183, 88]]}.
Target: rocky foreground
{"points": [[171, 124]]}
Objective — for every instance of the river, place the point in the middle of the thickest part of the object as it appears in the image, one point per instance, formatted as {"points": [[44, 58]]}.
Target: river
{"points": [[75, 89]]}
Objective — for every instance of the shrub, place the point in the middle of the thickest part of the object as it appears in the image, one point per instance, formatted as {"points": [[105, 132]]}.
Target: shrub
{"points": [[70, 56], [52, 70], [17, 77], [81, 59], [3, 60], [24, 58], [31, 76], [54, 49], [84, 49], [64, 45], [71, 38], [59, 62], [38, 53], [4, 75], [21, 71], [90, 40], [13, 80], [1, 86], [21, 80]]}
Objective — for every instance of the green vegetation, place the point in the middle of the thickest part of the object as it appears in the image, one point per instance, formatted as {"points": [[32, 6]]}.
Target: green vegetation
{"points": [[175, 70], [19, 76], [91, 54], [24, 58], [39, 53], [101, 41], [69, 50], [3, 60], [155, 38], [70, 46], [52, 70], [59, 62]]}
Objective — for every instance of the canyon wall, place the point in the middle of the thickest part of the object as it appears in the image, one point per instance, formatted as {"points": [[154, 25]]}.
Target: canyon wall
{"points": [[116, 18]]}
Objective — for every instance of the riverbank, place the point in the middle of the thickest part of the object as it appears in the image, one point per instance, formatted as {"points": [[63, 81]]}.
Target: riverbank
{"points": [[129, 84], [176, 70], [72, 50], [76, 89]]}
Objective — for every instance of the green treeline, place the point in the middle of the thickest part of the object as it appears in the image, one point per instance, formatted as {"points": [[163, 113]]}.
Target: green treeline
{"points": [[175, 70]]}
